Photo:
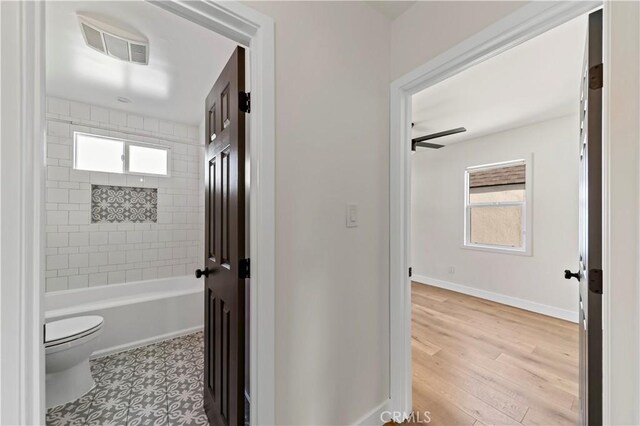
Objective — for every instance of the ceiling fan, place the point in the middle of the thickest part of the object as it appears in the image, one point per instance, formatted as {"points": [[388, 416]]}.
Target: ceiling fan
{"points": [[421, 141]]}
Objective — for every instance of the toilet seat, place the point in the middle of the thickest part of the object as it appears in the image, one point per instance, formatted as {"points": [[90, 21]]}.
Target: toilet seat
{"points": [[71, 329]]}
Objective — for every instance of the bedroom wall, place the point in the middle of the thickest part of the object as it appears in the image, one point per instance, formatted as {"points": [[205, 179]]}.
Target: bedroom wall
{"points": [[82, 254], [534, 282]]}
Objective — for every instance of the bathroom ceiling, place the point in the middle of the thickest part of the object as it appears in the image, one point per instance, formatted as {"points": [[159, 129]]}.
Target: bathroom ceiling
{"points": [[184, 61], [533, 82]]}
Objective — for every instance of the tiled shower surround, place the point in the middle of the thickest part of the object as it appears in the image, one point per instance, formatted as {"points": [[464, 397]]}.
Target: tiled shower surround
{"points": [[81, 253]]}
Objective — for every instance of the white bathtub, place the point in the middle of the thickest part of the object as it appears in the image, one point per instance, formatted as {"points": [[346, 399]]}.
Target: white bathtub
{"points": [[136, 313]]}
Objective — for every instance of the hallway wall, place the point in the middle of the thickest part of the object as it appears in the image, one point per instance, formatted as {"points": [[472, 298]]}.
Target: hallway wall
{"points": [[332, 282], [429, 28], [622, 250]]}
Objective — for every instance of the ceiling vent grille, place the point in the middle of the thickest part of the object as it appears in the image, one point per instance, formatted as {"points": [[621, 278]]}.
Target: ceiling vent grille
{"points": [[113, 41]]}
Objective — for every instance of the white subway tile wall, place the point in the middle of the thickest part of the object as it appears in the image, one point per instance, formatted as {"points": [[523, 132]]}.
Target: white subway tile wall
{"points": [[81, 254]]}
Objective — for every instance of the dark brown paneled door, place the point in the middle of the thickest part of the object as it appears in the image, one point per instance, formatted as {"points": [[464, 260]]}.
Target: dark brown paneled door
{"points": [[590, 258], [224, 330]]}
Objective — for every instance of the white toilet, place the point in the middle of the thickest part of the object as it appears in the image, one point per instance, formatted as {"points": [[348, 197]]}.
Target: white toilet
{"points": [[68, 344]]}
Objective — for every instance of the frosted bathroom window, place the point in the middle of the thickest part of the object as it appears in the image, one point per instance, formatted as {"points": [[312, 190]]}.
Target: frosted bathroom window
{"points": [[148, 160], [113, 155], [98, 154]]}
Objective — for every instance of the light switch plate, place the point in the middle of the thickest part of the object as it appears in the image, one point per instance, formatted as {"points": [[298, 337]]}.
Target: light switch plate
{"points": [[352, 215]]}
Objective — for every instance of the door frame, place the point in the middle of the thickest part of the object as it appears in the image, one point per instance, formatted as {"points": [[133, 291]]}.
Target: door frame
{"points": [[22, 201], [527, 22]]}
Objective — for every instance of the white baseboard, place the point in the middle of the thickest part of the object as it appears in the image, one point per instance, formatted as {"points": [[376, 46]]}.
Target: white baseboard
{"points": [[144, 342], [500, 298], [374, 417]]}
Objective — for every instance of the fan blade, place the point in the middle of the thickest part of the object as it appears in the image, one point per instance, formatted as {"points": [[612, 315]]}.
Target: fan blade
{"points": [[440, 134], [421, 140], [426, 145]]}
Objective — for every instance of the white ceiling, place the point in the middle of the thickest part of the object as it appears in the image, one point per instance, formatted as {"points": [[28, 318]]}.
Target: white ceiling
{"points": [[535, 81], [391, 9], [184, 61]]}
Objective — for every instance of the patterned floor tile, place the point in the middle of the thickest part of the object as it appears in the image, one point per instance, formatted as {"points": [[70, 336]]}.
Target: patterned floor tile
{"points": [[155, 385], [72, 414], [110, 404], [148, 405], [187, 414]]}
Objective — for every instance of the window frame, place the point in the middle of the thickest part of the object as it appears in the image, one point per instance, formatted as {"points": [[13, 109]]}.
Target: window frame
{"points": [[125, 149], [526, 207]]}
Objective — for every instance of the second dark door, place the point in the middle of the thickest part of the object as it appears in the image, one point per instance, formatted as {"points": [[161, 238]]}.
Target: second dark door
{"points": [[589, 272]]}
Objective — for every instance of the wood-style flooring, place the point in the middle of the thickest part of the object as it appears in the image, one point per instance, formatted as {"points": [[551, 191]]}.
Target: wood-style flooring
{"points": [[477, 362]]}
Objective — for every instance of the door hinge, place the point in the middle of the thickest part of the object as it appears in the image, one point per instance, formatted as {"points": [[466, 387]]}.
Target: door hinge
{"points": [[596, 77], [410, 271], [245, 268], [245, 102], [595, 280]]}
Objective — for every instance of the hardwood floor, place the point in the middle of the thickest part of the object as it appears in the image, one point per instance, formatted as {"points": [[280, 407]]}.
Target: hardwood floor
{"points": [[477, 362]]}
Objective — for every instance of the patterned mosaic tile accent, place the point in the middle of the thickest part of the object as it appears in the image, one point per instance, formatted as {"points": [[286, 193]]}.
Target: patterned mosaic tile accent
{"points": [[158, 385], [123, 204]]}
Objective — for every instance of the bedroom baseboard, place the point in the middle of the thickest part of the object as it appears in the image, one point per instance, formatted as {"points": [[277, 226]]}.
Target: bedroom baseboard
{"points": [[500, 298]]}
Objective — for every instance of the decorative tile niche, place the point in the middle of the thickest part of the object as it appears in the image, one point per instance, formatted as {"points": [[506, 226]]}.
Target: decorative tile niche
{"points": [[123, 204]]}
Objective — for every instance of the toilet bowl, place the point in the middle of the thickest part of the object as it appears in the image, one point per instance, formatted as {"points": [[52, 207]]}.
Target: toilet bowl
{"points": [[68, 344]]}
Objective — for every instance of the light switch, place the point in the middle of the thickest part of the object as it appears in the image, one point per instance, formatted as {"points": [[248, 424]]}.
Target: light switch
{"points": [[352, 215]]}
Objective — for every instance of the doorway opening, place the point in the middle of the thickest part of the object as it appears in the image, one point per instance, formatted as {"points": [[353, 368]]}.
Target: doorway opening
{"points": [[142, 149], [480, 196]]}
